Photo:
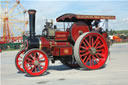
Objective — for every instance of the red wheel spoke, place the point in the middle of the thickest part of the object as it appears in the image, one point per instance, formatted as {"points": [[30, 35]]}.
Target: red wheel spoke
{"points": [[85, 44], [20, 57], [41, 61], [84, 47], [36, 69], [30, 63], [29, 59], [34, 54], [33, 68], [95, 41], [97, 44], [100, 46], [102, 55], [19, 60], [85, 54], [31, 56], [92, 41], [39, 67], [84, 58], [87, 59], [97, 56], [88, 43], [38, 55], [82, 51], [98, 50], [90, 61], [41, 58], [95, 59], [29, 66]]}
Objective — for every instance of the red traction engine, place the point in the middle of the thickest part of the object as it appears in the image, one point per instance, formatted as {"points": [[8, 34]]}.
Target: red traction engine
{"points": [[77, 46]]}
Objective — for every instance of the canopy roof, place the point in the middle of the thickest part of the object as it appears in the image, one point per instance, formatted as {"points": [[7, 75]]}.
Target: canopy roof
{"points": [[75, 17]]}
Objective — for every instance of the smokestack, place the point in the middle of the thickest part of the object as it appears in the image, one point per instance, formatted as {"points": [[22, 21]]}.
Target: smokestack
{"points": [[32, 22]]}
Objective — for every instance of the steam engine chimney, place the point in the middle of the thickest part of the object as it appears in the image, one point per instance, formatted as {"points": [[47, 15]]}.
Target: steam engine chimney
{"points": [[32, 22]]}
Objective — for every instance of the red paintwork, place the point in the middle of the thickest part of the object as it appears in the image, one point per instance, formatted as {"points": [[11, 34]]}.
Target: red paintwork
{"points": [[2, 42], [76, 28], [65, 51], [60, 44], [18, 39], [52, 43], [44, 42], [62, 51], [0, 50], [75, 17], [61, 36], [56, 51], [105, 35], [54, 46]]}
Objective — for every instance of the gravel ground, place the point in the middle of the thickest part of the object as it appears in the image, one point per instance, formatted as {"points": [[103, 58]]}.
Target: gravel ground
{"points": [[114, 73]]}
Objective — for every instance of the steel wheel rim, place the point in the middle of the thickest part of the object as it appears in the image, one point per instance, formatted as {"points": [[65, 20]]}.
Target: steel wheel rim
{"points": [[90, 58], [34, 65], [19, 60]]}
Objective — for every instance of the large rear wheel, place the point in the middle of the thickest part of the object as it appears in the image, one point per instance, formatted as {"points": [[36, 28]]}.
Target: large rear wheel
{"points": [[35, 62], [91, 50]]}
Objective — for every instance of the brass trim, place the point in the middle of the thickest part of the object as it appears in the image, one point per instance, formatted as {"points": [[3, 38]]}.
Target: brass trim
{"points": [[66, 51], [55, 43], [40, 44], [50, 43], [67, 43]]}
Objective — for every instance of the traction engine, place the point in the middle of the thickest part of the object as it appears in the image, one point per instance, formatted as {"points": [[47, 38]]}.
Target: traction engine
{"points": [[77, 46]]}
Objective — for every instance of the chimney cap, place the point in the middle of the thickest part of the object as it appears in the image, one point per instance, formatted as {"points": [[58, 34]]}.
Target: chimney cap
{"points": [[31, 11]]}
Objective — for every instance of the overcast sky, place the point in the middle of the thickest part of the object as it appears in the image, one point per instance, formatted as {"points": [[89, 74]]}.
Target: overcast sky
{"points": [[51, 9]]}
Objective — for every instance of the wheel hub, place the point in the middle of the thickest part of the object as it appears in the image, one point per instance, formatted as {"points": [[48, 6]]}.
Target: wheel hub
{"points": [[36, 62], [93, 50]]}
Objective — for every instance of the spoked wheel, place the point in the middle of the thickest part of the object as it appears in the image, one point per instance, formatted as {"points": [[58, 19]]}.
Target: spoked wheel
{"points": [[19, 60], [67, 61], [91, 50], [35, 62]]}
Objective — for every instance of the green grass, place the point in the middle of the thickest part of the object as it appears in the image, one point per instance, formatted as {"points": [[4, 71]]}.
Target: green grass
{"points": [[10, 50], [120, 42]]}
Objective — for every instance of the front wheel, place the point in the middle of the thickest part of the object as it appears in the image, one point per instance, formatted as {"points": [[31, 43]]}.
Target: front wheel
{"points": [[19, 60], [91, 50], [35, 62]]}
